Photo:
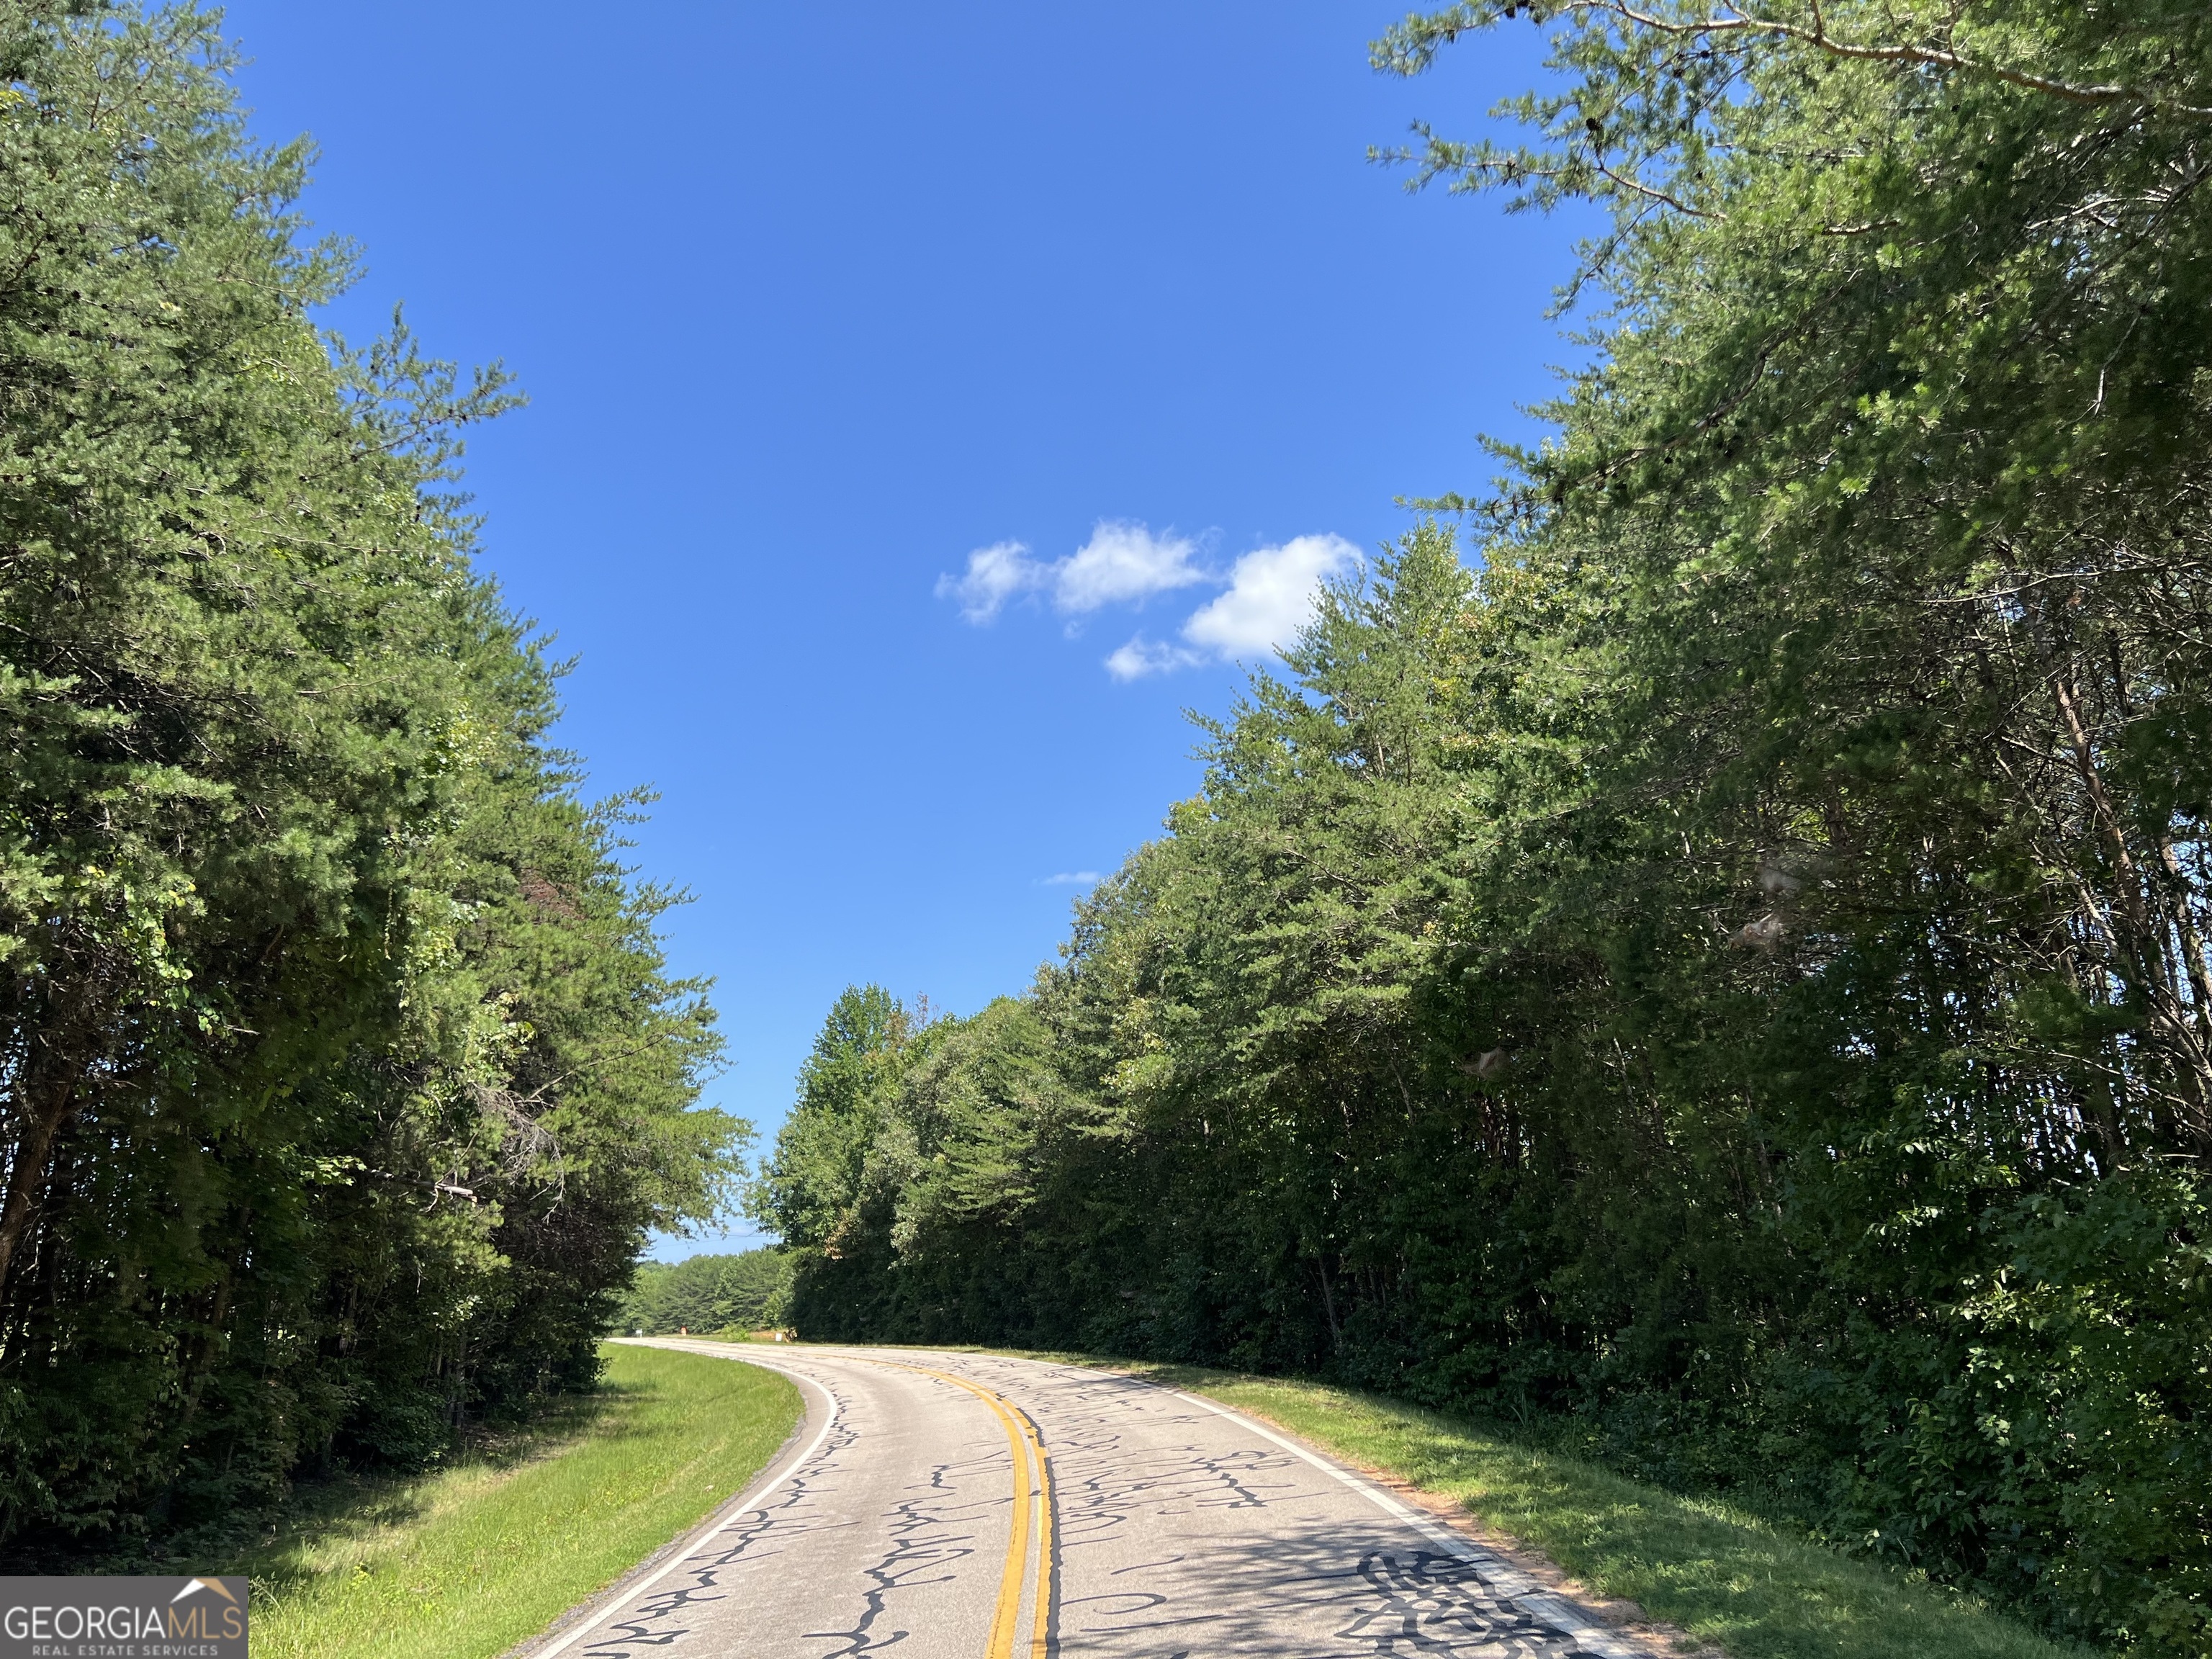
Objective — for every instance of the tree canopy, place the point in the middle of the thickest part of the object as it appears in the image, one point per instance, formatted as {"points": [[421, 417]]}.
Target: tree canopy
{"points": [[1703, 946], [341, 1076], [707, 1295]]}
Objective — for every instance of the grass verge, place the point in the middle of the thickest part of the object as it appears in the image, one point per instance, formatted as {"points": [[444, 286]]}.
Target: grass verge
{"points": [[1751, 1587], [465, 1563]]}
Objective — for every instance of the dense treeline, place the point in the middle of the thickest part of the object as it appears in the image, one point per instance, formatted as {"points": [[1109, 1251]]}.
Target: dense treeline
{"points": [[709, 1294], [340, 1078], [1728, 973]]}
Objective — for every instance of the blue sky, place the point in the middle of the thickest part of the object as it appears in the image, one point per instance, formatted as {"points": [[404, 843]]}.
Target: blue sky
{"points": [[928, 405]]}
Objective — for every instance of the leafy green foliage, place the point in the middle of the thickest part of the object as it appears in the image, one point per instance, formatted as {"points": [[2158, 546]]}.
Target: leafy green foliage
{"points": [[815, 1174], [1737, 1581], [339, 1074], [1730, 980], [706, 1294], [470, 1560]]}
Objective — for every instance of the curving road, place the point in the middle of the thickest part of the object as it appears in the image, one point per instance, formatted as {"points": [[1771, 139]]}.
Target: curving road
{"points": [[971, 1505]]}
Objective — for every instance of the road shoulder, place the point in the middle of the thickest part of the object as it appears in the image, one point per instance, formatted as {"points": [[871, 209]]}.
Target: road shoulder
{"points": [[1674, 1575], [815, 1419]]}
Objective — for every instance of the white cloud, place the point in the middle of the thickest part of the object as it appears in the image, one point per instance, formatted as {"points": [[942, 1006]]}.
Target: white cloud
{"points": [[1123, 561], [995, 574], [1271, 596], [1141, 656], [1071, 878]]}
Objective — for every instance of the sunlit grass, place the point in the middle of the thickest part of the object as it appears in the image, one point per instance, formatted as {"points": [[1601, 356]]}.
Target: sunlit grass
{"points": [[1754, 1587], [465, 1563]]}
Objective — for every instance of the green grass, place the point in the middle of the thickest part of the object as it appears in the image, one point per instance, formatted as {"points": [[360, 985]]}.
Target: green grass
{"points": [[465, 1563], [1743, 1583]]}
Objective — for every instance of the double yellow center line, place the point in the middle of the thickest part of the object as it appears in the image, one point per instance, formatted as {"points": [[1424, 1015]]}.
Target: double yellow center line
{"points": [[1031, 1492]]}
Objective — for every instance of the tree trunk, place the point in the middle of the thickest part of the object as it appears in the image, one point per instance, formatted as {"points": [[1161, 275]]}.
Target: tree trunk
{"points": [[48, 1110]]}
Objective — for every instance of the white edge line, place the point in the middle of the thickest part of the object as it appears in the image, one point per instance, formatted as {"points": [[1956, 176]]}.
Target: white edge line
{"points": [[1572, 1620], [714, 1523]]}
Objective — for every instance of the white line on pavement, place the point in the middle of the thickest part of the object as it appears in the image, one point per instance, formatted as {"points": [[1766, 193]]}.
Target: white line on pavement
{"points": [[636, 1592], [1493, 1569]]}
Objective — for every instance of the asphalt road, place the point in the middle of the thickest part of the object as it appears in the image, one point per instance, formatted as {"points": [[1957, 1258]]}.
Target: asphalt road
{"points": [[966, 1506]]}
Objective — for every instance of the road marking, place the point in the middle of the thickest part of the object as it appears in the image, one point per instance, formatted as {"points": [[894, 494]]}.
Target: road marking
{"points": [[1021, 1438], [1585, 1629], [1041, 1628], [767, 1479]]}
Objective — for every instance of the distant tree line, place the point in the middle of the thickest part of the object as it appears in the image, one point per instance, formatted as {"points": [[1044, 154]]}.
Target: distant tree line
{"points": [[708, 1295], [1725, 976], [341, 1076]]}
